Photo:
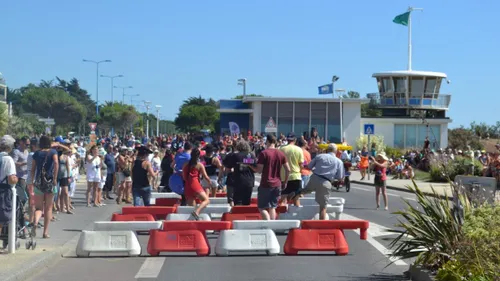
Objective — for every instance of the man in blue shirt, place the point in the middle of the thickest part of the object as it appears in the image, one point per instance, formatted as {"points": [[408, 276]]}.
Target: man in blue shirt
{"points": [[180, 159], [109, 160]]}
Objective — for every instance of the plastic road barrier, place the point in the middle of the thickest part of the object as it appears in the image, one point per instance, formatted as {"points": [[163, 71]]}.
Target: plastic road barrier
{"points": [[247, 240], [132, 217], [275, 225], [167, 201], [108, 243], [159, 212], [186, 217], [139, 226], [210, 209], [254, 209], [215, 201], [165, 195], [310, 201], [323, 235], [243, 216], [309, 212], [220, 195]]}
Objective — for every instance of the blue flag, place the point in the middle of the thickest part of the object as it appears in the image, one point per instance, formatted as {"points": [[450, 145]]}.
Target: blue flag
{"points": [[325, 89]]}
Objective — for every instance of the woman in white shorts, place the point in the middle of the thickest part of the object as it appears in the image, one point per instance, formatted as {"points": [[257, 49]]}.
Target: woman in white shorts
{"points": [[104, 173], [93, 167]]}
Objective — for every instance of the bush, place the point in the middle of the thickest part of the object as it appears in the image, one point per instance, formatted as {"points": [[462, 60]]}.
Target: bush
{"points": [[378, 140], [458, 138], [393, 152], [441, 171]]}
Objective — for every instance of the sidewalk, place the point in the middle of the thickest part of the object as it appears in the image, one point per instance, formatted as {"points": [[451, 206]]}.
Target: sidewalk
{"points": [[443, 189], [64, 234]]}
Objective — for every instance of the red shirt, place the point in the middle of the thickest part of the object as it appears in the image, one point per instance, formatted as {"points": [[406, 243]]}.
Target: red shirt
{"points": [[273, 160]]}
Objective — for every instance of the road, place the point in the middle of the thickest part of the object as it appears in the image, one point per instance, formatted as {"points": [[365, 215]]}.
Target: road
{"points": [[366, 260]]}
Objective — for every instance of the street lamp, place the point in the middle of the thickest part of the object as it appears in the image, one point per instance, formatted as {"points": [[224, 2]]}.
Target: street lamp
{"points": [[158, 119], [147, 104], [131, 96], [112, 83], [97, 63], [243, 82], [123, 91]]}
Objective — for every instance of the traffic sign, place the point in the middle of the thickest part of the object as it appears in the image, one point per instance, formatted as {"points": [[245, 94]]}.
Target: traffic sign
{"points": [[271, 126], [93, 126], [369, 129], [47, 121]]}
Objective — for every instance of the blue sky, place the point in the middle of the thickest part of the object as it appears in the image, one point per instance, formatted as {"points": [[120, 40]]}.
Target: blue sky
{"points": [[171, 50]]}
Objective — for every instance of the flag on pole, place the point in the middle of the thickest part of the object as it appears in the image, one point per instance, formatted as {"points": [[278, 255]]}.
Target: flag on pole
{"points": [[402, 19], [234, 128]]}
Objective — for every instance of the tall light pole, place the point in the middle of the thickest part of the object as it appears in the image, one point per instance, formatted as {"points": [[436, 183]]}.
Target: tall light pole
{"points": [[131, 98], [123, 91], [97, 63], [112, 78], [243, 82], [335, 78], [147, 104], [158, 119]]}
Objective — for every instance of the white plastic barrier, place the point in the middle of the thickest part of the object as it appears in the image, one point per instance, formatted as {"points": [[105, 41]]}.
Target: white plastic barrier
{"points": [[126, 225], [186, 217], [211, 210], [309, 212], [247, 240], [165, 195], [218, 200], [275, 225], [310, 201], [108, 243]]}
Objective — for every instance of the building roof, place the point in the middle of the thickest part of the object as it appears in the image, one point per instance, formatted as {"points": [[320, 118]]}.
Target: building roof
{"points": [[409, 73], [292, 99]]}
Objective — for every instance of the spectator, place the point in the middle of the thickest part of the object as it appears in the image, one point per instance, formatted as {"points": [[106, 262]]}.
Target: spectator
{"points": [[142, 170], [8, 178]]}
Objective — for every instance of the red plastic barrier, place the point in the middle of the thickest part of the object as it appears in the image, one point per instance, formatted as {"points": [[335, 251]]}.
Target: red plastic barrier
{"points": [[221, 194], [178, 241], [316, 240], [362, 225], [159, 212], [132, 217], [254, 209], [196, 225], [167, 202], [248, 216], [253, 201]]}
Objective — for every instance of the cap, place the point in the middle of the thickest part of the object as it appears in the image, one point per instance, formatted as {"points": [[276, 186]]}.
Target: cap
{"points": [[67, 141], [290, 136], [59, 139], [156, 151], [144, 149]]}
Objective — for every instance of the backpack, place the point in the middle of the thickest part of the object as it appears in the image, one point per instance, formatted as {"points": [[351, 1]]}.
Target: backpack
{"points": [[43, 182], [5, 201]]}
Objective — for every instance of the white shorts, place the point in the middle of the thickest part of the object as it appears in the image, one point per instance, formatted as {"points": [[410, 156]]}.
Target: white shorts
{"points": [[213, 182], [93, 175], [103, 182]]}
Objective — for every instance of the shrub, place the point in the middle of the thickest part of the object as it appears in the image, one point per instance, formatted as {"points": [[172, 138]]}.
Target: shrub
{"points": [[458, 138], [393, 152], [378, 140], [440, 171]]}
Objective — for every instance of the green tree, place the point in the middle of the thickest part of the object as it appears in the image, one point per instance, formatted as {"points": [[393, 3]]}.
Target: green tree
{"points": [[369, 110], [196, 114], [4, 118], [351, 95], [239, 97], [460, 137], [117, 115], [53, 103]]}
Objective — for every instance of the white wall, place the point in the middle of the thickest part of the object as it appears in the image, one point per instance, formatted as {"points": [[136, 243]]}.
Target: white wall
{"points": [[351, 121], [257, 114], [444, 135]]}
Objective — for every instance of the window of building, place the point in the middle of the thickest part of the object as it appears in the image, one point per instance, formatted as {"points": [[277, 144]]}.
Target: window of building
{"points": [[334, 134], [399, 136], [318, 117], [268, 111], [430, 85], [387, 82], [411, 136], [285, 117], [422, 133], [400, 83], [301, 118], [417, 86], [435, 136]]}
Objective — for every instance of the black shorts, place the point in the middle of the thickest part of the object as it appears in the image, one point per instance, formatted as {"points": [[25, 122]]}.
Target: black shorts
{"points": [[64, 182], [292, 187], [108, 185], [267, 197]]}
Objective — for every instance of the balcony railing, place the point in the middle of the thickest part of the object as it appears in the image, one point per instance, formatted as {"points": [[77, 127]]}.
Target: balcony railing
{"points": [[429, 101]]}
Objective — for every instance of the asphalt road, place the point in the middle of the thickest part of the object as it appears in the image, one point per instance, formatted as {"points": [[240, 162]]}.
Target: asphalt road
{"points": [[366, 260]]}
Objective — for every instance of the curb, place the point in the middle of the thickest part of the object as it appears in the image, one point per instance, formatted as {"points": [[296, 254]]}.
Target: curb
{"points": [[44, 260], [404, 190], [417, 273]]}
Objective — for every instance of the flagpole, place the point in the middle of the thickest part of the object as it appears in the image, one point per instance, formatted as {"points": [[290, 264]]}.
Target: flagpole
{"points": [[410, 9]]}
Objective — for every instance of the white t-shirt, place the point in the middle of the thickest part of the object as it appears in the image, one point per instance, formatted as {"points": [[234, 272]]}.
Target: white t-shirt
{"points": [[7, 166]]}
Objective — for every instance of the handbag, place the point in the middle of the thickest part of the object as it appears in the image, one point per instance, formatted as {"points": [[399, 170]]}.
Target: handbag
{"points": [[5, 201], [43, 182]]}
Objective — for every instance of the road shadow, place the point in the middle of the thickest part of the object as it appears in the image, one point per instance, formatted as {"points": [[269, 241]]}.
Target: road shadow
{"points": [[379, 277], [73, 230]]}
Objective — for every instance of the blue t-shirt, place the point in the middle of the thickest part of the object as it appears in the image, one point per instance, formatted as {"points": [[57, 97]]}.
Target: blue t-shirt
{"points": [[181, 159], [109, 160], [40, 157]]}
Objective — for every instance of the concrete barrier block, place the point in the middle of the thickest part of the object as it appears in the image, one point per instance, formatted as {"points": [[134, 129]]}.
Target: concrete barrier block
{"points": [[108, 243], [186, 217], [126, 225], [247, 240], [275, 225]]}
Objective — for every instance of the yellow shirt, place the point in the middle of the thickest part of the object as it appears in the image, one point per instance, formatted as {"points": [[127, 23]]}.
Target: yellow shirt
{"points": [[294, 157]]}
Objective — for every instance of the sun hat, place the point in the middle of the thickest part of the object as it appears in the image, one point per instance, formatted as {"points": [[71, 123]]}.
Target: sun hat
{"points": [[382, 155]]}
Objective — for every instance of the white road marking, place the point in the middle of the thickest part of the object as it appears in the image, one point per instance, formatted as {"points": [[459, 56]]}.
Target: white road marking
{"points": [[388, 193], [376, 230], [150, 268]]}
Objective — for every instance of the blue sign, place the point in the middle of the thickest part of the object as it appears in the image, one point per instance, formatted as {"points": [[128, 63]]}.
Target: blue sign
{"points": [[325, 89], [369, 129]]}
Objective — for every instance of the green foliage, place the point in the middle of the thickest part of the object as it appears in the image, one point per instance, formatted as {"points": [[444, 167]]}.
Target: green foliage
{"points": [[196, 114], [393, 152], [429, 230], [118, 115], [369, 110], [4, 118], [239, 97], [377, 139], [461, 137], [351, 95], [442, 171], [478, 256]]}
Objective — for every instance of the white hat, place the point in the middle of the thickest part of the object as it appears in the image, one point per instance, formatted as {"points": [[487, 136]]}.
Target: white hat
{"points": [[382, 155]]}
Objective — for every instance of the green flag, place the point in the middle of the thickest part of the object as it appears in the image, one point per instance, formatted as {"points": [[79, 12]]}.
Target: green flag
{"points": [[402, 19]]}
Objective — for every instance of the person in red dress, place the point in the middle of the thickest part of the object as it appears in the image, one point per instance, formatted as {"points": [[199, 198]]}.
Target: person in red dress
{"points": [[192, 187]]}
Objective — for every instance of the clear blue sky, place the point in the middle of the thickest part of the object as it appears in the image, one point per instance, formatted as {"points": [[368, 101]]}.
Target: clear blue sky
{"points": [[171, 50]]}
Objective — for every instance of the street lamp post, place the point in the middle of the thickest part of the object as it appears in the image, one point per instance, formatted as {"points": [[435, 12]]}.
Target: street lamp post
{"points": [[147, 104], [243, 82], [123, 91], [97, 63], [341, 93], [158, 119], [335, 78], [112, 78], [131, 98]]}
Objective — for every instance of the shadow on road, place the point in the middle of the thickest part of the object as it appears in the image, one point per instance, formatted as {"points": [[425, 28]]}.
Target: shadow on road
{"points": [[378, 277]]}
